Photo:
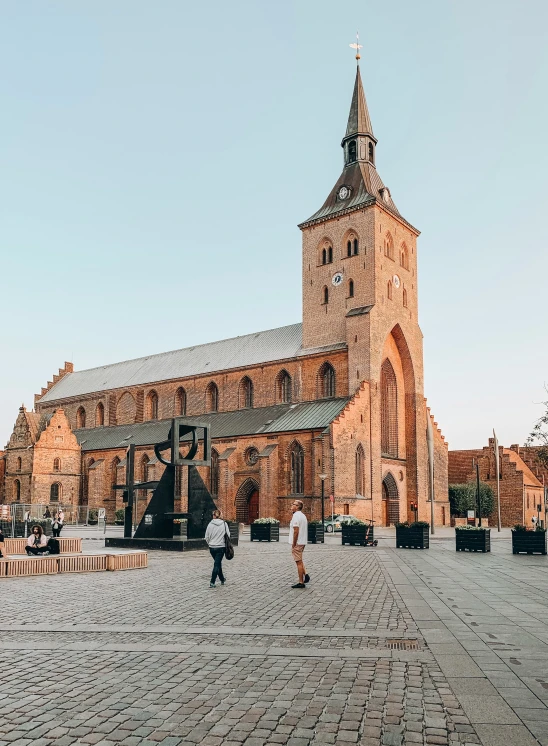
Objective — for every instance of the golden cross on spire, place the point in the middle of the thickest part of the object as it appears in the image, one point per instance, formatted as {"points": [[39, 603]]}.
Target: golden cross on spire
{"points": [[357, 46]]}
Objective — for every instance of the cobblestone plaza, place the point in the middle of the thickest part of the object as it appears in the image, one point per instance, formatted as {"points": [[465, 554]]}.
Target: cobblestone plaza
{"points": [[385, 646]]}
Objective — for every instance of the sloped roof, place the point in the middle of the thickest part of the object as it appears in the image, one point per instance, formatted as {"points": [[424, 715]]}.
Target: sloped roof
{"points": [[237, 352], [528, 475], [275, 419], [359, 121]]}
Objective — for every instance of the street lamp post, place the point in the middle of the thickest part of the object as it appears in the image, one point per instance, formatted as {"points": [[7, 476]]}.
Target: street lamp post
{"points": [[323, 477]]}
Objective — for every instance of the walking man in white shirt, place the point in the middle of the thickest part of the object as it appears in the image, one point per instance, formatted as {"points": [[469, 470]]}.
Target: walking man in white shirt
{"points": [[298, 538]]}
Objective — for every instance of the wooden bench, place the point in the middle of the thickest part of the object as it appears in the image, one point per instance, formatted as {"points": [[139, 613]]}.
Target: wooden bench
{"points": [[55, 564], [72, 544]]}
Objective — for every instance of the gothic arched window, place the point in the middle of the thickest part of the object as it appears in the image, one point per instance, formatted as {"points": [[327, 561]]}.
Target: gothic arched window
{"points": [[325, 295], [326, 381], [389, 411], [349, 248], [360, 471], [214, 473], [356, 246], [99, 415], [56, 464], [329, 254], [152, 406], [352, 151], [296, 476], [17, 490], [283, 387], [80, 418], [212, 397], [324, 256], [180, 402], [245, 393], [389, 246], [404, 256], [350, 288], [55, 493]]}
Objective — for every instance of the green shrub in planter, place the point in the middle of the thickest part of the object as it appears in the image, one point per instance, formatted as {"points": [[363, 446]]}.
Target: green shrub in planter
{"points": [[119, 517], [413, 535], [355, 532], [528, 541], [473, 539], [92, 517], [265, 529]]}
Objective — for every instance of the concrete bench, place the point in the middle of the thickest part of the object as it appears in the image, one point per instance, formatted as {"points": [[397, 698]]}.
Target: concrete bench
{"points": [[54, 564], [67, 544]]}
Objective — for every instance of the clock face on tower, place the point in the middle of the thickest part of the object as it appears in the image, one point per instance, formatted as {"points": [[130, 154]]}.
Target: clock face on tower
{"points": [[343, 192], [337, 279]]}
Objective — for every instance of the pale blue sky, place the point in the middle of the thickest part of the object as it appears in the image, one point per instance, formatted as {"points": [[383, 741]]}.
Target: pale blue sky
{"points": [[156, 157]]}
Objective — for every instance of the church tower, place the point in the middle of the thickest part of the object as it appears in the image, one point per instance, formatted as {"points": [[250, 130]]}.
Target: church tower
{"points": [[360, 289]]}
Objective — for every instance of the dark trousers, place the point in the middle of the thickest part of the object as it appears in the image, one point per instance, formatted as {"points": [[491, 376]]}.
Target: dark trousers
{"points": [[217, 553], [56, 531], [36, 550]]}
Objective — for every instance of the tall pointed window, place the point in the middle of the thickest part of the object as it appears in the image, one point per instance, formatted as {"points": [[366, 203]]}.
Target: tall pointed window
{"points": [[325, 295], [404, 295], [389, 246], [283, 387], [360, 471], [245, 393], [371, 151], [356, 246], [389, 290], [404, 256], [56, 464], [17, 490], [99, 415], [349, 248], [180, 402], [350, 288], [329, 254], [389, 411], [214, 473], [152, 406], [296, 475], [19, 464], [326, 381], [324, 256], [80, 418], [55, 493], [351, 151], [212, 398]]}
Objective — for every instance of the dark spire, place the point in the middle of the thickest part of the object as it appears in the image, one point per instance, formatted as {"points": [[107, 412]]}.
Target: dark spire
{"points": [[359, 122]]}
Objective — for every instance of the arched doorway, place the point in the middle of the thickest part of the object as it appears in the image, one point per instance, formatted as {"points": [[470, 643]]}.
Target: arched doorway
{"points": [[390, 500], [247, 502]]}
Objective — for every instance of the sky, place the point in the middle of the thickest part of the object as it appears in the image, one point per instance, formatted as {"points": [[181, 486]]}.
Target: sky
{"points": [[156, 158]]}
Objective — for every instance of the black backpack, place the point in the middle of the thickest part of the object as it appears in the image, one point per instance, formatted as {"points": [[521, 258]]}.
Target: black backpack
{"points": [[53, 546]]}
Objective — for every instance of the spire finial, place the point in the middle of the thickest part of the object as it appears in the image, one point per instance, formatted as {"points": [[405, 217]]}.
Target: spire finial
{"points": [[357, 46]]}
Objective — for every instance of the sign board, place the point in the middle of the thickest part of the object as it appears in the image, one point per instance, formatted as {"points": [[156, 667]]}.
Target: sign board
{"points": [[471, 514], [148, 519], [101, 513]]}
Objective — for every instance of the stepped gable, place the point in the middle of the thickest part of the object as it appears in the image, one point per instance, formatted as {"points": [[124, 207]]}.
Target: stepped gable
{"points": [[435, 427], [529, 454], [68, 368], [237, 352]]}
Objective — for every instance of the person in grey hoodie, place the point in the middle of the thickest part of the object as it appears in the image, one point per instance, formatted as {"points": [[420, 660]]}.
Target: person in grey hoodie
{"points": [[215, 537]]}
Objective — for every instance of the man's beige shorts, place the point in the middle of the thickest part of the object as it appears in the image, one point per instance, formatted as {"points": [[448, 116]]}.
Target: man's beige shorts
{"points": [[297, 552]]}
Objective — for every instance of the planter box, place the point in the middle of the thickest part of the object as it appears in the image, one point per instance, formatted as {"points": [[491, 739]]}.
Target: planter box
{"points": [[473, 541], [355, 534], [414, 538], [315, 533], [528, 542], [265, 532]]}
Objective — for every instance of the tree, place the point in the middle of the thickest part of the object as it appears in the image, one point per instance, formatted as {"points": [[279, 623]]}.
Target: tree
{"points": [[539, 435], [462, 497]]}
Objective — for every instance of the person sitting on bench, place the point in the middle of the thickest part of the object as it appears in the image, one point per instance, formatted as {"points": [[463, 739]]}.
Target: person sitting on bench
{"points": [[37, 542], [3, 554]]}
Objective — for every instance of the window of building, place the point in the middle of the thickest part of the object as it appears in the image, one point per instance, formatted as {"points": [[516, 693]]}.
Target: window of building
{"points": [[326, 380], [324, 256], [352, 151], [80, 418], [55, 493], [214, 473], [19, 464], [350, 288], [389, 246], [212, 397], [389, 411], [404, 297], [99, 415], [404, 256], [17, 490], [245, 393], [360, 471], [329, 254], [346, 509], [325, 295], [356, 246], [371, 151], [180, 402], [349, 248], [389, 290], [152, 406], [56, 464], [283, 387], [296, 455]]}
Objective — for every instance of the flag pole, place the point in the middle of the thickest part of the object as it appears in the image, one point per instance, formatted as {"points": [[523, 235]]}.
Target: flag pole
{"points": [[497, 467]]}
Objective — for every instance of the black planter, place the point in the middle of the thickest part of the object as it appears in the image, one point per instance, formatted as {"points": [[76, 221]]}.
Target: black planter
{"points": [[528, 542], [473, 541], [92, 523], [355, 534], [265, 532], [315, 533], [412, 538]]}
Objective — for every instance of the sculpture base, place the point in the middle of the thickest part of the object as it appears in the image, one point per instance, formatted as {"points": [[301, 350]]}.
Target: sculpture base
{"points": [[177, 544]]}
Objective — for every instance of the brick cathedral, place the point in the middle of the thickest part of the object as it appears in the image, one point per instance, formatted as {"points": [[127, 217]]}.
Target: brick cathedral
{"points": [[340, 394]]}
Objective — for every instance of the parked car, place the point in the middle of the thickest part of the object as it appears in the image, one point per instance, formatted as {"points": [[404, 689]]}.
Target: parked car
{"points": [[335, 523]]}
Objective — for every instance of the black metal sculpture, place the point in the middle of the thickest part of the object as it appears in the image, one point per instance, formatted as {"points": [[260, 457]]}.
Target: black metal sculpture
{"points": [[157, 521]]}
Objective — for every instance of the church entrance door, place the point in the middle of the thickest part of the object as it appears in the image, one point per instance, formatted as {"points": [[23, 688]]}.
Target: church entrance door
{"points": [[253, 506], [390, 500]]}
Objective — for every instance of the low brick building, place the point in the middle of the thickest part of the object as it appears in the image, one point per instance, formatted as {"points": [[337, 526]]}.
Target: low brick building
{"points": [[340, 394], [521, 491]]}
